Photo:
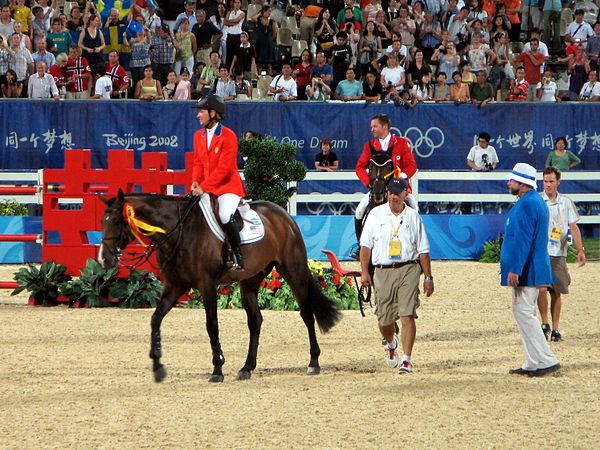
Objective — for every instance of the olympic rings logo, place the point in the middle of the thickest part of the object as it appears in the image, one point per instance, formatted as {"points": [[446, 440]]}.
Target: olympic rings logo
{"points": [[423, 144]]}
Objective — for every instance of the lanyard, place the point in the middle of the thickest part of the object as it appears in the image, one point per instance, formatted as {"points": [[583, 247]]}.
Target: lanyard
{"points": [[396, 229]]}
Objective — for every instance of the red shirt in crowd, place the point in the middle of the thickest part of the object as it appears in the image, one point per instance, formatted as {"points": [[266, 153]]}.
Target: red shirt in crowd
{"points": [[532, 72], [118, 75], [58, 74], [75, 68], [303, 75]]}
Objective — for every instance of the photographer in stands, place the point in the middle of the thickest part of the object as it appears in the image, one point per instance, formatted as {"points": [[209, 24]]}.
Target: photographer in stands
{"points": [[482, 157]]}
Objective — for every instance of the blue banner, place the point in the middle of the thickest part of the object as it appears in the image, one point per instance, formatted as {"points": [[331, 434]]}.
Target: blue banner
{"points": [[35, 134], [450, 236]]}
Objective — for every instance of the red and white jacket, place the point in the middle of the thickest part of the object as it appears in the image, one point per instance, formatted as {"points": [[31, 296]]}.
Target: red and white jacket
{"points": [[401, 155], [215, 168]]}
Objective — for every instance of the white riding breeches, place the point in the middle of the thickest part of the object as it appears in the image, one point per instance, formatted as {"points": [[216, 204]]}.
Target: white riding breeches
{"points": [[228, 203], [364, 204]]}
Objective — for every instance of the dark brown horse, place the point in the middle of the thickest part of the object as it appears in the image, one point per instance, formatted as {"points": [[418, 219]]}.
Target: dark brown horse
{"points": [[380, 168], [191, 256]]}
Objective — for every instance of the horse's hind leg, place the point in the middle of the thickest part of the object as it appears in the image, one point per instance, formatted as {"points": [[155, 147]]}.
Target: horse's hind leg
{"points": [[249, 289], [298, 277], [168, 299]]}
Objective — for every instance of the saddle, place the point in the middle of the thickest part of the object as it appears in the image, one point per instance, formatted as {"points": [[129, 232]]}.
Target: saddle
{"points": [[247, 220]]}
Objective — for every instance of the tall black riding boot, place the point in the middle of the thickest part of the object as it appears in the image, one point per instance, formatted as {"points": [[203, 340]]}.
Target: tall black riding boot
{"points": [[358, 226], [233, 236], [355, 250]]}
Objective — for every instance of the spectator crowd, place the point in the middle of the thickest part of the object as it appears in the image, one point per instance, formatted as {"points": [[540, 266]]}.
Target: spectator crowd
{"points": [[398, 51]]}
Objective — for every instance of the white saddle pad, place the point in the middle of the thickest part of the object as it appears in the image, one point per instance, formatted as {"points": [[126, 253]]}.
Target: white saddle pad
{"points": [[253, 230]]}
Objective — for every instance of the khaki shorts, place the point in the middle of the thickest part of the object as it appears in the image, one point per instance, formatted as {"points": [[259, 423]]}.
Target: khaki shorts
{"points": [[77, 95], [396, 293], [561, 273]]}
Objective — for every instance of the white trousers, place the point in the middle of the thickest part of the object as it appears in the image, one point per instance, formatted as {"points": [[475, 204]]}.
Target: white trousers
{"points": [[227, 206], [188, 64], [537, 351], [364, 204]]}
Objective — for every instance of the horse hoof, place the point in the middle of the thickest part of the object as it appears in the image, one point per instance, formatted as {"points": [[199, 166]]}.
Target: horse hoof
{"points": [[216, 378], [243, 375], [160, 374], [313, 371]]}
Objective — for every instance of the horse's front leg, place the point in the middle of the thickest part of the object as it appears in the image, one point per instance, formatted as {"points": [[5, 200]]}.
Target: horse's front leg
{"points": [[212, 327], [166, 302]]}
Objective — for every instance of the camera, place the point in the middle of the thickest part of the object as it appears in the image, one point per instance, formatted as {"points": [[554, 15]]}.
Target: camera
{"points": [[389, 86], [486, 163]]}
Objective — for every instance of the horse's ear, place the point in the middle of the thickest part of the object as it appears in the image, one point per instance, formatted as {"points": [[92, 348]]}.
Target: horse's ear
{"points": [[121, 195]]}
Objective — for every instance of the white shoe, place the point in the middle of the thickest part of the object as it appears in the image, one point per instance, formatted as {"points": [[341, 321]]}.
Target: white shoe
{"points": [[406, 367], [391, 353]]}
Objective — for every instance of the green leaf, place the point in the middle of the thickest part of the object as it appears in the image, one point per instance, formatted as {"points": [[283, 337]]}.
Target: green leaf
{"points": [[42, 283], [269, 167]]}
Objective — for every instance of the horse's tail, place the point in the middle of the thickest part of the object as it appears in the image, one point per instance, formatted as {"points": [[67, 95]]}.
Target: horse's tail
{"points": [[322, 306]]}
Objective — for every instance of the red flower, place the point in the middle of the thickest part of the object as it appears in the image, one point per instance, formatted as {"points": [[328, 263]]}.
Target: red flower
{"points": [[324, 284], [273, 285], [225, 290], [336, 279], [263, 283], [349, 281], [275, 274]]}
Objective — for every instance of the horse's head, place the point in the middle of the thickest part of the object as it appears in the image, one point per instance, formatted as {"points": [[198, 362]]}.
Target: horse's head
{"points": [[380, 167], [116, 233]]}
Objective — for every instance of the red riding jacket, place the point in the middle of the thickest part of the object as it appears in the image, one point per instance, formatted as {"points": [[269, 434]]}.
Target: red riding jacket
{"points": [[401, 155], [215, 168]]}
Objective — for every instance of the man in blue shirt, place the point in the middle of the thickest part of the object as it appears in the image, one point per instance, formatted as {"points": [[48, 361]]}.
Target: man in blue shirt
{"points": [[321, 69], [525, 266], [349, 89]]}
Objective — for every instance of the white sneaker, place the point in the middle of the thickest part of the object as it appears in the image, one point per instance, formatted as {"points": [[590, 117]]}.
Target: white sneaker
{"points": [[391, 353], [406, 367]]}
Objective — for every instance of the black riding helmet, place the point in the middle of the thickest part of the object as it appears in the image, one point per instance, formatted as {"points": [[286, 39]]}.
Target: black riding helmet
{"points": [[213, 102]]}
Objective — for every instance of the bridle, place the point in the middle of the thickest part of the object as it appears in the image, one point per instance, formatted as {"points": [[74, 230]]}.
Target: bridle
{"points": [[379, 180], [132, 260]]}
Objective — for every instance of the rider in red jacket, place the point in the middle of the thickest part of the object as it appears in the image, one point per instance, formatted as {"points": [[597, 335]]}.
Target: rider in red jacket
{"points": [[401, 155], [215, 169]]}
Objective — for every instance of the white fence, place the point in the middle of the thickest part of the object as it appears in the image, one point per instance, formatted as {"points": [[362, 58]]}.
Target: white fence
{"points": [[423, 176], [28, 178]]}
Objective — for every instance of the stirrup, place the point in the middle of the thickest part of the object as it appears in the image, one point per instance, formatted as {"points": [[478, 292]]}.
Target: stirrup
{"points": [[234, 261], [355, 252]]}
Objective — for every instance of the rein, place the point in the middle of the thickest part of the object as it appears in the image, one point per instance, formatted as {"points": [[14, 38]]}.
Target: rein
{"points": [[142, 231]]}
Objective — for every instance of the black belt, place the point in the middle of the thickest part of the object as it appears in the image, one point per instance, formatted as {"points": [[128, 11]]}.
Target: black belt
{"points": [[395, 265]]}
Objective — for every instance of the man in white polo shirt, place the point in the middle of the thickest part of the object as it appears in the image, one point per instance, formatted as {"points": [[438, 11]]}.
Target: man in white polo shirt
{"points": [[394, 239], [563, 217]]}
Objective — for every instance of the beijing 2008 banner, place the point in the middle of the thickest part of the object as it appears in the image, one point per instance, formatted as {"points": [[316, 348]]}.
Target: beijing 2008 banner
{"points": [[35, 134]]}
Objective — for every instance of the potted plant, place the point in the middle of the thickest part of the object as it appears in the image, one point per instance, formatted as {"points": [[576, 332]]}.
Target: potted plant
{"points": [[139, 290], [274, 293], [93, 285], [269, 167], [42, 283]]}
